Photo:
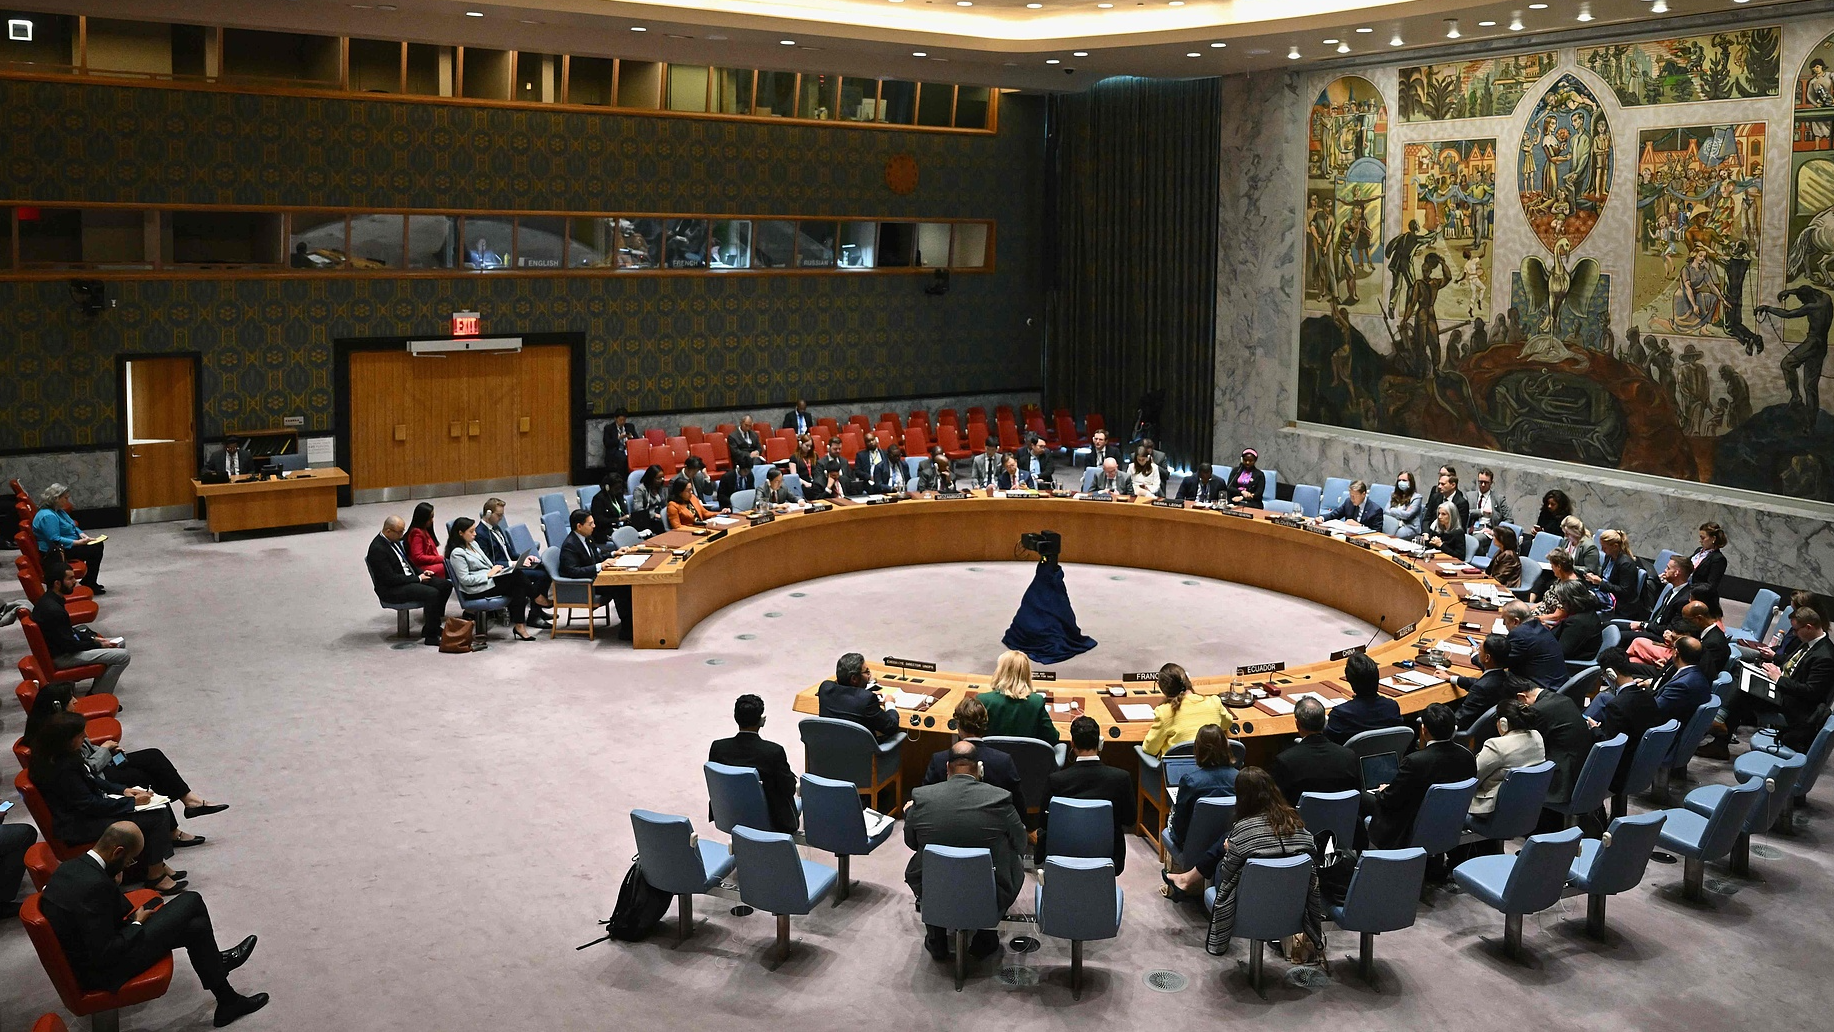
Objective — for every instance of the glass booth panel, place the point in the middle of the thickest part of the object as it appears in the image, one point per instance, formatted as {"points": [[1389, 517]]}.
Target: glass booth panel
{"points": [[730, 244]]}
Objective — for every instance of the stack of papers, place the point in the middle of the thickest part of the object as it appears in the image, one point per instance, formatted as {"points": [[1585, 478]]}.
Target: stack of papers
{"points": [[630, 562], [1136, 711], [1278, 704], [724, 521], [1325, 701], [1419, 678], [1058, 707], [909, 700], [1451, 649], [154, 803], [1346, 527]]}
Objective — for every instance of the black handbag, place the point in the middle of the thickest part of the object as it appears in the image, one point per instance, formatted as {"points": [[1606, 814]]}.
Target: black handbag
{"points": [[1336, 866]]}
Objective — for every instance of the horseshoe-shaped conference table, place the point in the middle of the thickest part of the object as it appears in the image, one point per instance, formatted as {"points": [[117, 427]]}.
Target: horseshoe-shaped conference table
{"points": [[1420, 601]]}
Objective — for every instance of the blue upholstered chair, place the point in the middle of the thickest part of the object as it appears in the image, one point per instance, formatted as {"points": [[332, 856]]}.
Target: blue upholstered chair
{"points": [[743, 501], [1482, 727], [1700, 839], [1272, 504], [630, 485], [1778, 776], [793, 484], [833, 821], [1382, 897], [1306, 496], [1610, 637], [626, 536], [774, 879], [403, 627], [1152, 787], [1270, 900], [1377, 741], [521, 540], [845, 751], [1036, 759], [1531, 570], [1336, 489], [554, 527], [1079, 901], [1441, 821], [1651, 755], [1542, 545], [1758, 618], [1585, 678], [959, 896], [1766, 741], [1692, 734], [1518, 804], [1082, 828], [1381, 494], [586, 495], [478, 607], [736, 796], [1662, 559], [1211, 819], [1614, 864], [1594, 781], [1334, 812], [672, 862], [1273, 484], [1526, 883], [570, 594], [554, 502]]}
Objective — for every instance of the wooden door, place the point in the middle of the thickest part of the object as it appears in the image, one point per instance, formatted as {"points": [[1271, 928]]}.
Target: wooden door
{"points": [[544, 416], [383, 433], [161, 432], [490, 418], [436, 386]]}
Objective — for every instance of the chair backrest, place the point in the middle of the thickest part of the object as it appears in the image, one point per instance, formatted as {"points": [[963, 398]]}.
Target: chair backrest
{"points": [[29, 579], [1334, 492], [833, 424], [41, 816], [1270, 898], [831, 816], [948, 438], [743, 501], [1519, 801], [722, 451], [35, 640], [51, 955], [1581, 684], [666, 853], [851, 443], [1540, 872], [1080, 827], [1728, 818], [1273, 482], [1441, 819], [838, 749], [1662, 559], [1543, 544], [1272, 504], [737, 797], [554, 526], [694, 434], [41, 863], [1077, 899], [1335, 812], [586, 495], [1594, 781], [1780, 786], [520, 539], [1610, 637], [1377, 741], [705, 452], [626, 536], [1531, 569], [1384, 891], [778, 449], [656, 436], [1818, 758], [1623, 854], [1381, 494], [958, 888], [1694, 731], [1390, 525], [553, 501], [770, 872], [630, 482], [1307, 497], [1009, 437], [916, 442], [1652, 753], [1211, 819], [1035, 759], [1758, 617], [793, 484], [637, 453]]}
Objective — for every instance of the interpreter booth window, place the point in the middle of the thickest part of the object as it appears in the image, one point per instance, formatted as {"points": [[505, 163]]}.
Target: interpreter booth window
{"points": [[38, 42], [488, 242], [686, 245], [932, 245], [815, 245], [971, 103], [859, 99], [433, 242], [773, 244], [592, 80], [897, 101], [970, 246], [730, 91], [221, 238], [896, 242], [318, 240], [819, 97], [935, 104], [858, 240], [639, 243], [376, 242], [730, 244], [375, 66], [776, 94], [540, 240]]}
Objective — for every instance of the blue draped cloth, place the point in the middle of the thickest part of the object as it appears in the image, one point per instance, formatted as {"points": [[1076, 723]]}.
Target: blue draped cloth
{"points": [[1045, 628]]}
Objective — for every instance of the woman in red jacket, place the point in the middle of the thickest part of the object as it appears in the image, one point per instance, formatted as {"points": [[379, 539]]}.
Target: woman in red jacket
{"points": [[423, 544]]}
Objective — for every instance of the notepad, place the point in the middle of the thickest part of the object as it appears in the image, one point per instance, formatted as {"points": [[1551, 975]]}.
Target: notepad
{"points": [[1424, 680], [630, 562], [1278, 705], [1063, 707], [1401, 686], [909, 700], [1346, 527], [1462, 650], [876, 822], [724, 521], [154, 803], [1136, 711], [1324, 701]]}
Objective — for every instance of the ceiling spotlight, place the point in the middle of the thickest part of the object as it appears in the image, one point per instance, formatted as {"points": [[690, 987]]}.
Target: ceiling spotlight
{"points": [[1193, 54], [1659, 7], [1740, 1], [787, 42], [1452, 28], [474, 14], [1395, 42], [1585, 12], [919, 53], [1219, 46], [1537, 7], [1365, 29], [1104, 6], [638, 28], [1080, 53], [1329, 42], [1052, 60], [1292, 54], [964, 3], [1343, 48], [1033, 7], [1174, 3], [1515, 21], [1486, 25]]}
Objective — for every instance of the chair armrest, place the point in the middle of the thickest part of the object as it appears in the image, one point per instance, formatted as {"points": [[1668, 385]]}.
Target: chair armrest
{"points": [[1148, 762], [893, 744], [1623, 624]]}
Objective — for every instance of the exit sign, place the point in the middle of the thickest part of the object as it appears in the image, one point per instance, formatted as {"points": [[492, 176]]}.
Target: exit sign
{"points": [[465, 324]]}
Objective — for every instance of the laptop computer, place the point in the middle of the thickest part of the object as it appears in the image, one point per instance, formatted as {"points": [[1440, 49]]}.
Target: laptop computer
{"points": [[1752, 681], [1380, 769]]}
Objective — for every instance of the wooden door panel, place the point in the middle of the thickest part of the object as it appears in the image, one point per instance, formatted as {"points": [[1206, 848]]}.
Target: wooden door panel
{"points": [[437, 389], [490, 402], [161, 432], [544, 399], [382, 430]]}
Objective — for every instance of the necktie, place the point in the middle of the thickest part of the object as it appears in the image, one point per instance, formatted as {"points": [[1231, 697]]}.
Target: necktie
{"points": [[235, 465], [401, 554], [1789, 665]]}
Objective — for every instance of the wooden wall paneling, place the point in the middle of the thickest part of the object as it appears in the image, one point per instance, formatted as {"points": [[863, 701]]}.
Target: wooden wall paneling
{"points": [[380, 401], [544, 397]]}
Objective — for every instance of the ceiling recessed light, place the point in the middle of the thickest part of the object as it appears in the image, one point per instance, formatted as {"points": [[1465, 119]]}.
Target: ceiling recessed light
{"points": [[964, 3], [1486, 25], [1174, 3], [1052, 60], [1659, 7], [1585, 13], [1515, 21], [1365, 29], [1330, 42], [1396, 41], [638, 28], [787, 42], [474, 14], [1080, 53], [1104, 6], [1292, 54], [1452, 28], [1033, 7], [919, 53], [1193, 54], [1343, 48], [1739, 1], [1537, 7], [1219, 46]]}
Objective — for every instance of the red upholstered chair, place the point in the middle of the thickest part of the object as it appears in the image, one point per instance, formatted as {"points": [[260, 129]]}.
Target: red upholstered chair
{"points": [[96, 729], [705, 450], [1093, 422], [851, 443], [665, 457], [637, 453], [787, 433], [49, 1023], [722, 452], [1003, 413], [977, 438], [81, 610], [89, 707], [28, 549], [99, 1007], [1009, 437], [891, 419], [725, 428], [36, 639], [760, 427], [860, 421], [1034, 423], [1067, 437], [776, 449], [977, 414], [694, 434], [40, 861], [656, 435], [680, 446], [821, 434], [916, 443], [41, 816], [947, 416], [833, 424], [951, 442]]}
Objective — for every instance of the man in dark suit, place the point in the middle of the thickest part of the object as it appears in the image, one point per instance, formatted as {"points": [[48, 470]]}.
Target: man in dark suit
{"points": [[1036, 458], [1682, 691], [1533, 652], [1491, 687], [396, 580], [1665, 615], [69, 644], [997, 768], [968, 814], [1715, 647], [1357, 508], [107, 941], [617, 437], [750, 749], [1629, 710], [1100, 448], [1367, 709], [1314, 763], [580, 559], [493, 538], [849, 697], [1565, 736], [1087, 777], [872, 465], [744, 446], [985, 468], [1805, 682], [736, 479], [232, 461], [1108, 478], [1442, 761], [1201, 486], [1446, 490], [799, 419], [833, 476]]}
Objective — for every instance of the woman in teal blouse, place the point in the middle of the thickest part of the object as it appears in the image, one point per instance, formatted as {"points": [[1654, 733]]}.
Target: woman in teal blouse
{"points": [[57, 532]]}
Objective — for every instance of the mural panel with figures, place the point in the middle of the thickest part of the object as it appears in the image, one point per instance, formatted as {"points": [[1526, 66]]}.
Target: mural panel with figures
{"points": [[1448, 191], [1731, 65], [1345, 179], [1470, 89], [1564, 171]]}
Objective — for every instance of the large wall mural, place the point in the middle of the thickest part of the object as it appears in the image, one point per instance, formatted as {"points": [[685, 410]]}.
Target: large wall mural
{"points": [[1728, 65], [1346, 173], [1470, 89], [1523, 307]]}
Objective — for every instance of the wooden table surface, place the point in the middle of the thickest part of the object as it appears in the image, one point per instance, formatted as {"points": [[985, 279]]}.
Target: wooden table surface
{"points": [[305, 497]]}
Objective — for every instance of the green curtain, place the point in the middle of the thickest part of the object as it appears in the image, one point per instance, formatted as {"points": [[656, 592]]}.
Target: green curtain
{"points": [[1131, 236]]}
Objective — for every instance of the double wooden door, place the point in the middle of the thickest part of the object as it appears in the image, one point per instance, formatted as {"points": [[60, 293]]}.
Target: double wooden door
{"points": [[461, 421]]}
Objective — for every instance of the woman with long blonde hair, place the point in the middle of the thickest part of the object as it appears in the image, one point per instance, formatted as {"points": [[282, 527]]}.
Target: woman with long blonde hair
{"points": [[1012, 708]]}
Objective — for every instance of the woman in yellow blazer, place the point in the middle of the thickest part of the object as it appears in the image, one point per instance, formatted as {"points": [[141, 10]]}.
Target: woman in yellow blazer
{"points": [[1012, 708], [1176, 720]]}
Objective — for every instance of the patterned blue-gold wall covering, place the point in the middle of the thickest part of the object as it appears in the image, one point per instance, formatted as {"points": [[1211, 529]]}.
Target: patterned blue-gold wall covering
{"points": [[655, 342]]}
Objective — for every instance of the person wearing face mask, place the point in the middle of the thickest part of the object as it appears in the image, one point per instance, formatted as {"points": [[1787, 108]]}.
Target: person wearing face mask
{"points": [[1406, 507]]}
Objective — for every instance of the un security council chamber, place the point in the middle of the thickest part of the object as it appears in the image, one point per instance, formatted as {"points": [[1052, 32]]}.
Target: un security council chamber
{"points": [[920, 514]]}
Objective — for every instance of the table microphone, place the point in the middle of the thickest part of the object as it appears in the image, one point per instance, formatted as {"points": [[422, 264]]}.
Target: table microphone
{"points": [[1378, 630]]}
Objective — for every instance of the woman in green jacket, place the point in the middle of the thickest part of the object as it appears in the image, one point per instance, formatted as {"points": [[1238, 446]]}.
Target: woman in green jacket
{"points": [[1012, 708]]}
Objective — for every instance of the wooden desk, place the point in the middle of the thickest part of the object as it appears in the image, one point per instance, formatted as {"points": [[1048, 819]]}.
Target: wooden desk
{"points": [[309, 496]]}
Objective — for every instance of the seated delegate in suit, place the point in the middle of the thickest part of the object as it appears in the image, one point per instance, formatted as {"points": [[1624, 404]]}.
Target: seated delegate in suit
{"points": [[1446, 490], [1517, 744], [1246, 483], [1696, 618], [580, 559], [694, 471], [772, 492], [744, 445], [1708, 561], [476, 575], [1534, 652], [735, 480], [1146, 475], [142, 768], [396, 580], [1665, 614], [1108, 479], [850, 696], [1505, 562], [966, 813], [1627, 706], [833, 475], [872, 464], [423, 542], [1314, 763], [1805, 683], [985, 468], [1572, 614], [1038, 460], [1214, 775], [1013, 709], [69, 644], [933, 477], [1566, 737], [232, 461], [1617, 572], [749, 748], [1183, 713], [1406, 507], [1085, 776], [1357, 508], [799, 419], [1101, 449], [997, 768], [1201, 487], [1579, 544], [493, 538], [58, 536], [1367, 709], [1487, 510], [685, 508], [649, 502], [1014, 477], [1679, 691], [1266, 827], [84, 803], [1489, 688], [896, 472], [107, 941], [1445, 532], [1442, 761]]}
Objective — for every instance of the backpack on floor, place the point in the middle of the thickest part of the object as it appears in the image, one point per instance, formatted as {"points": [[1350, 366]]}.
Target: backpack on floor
{"points": [[639, 908]]}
